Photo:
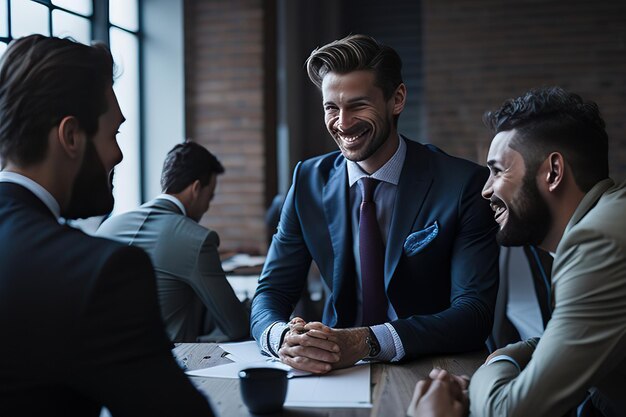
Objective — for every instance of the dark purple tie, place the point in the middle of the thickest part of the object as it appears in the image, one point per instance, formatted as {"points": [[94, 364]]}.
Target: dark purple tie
{"points": [[372, 253]]}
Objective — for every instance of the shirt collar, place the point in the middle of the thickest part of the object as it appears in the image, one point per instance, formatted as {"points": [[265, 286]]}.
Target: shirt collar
{"points": [[174, 200], [35, 188], [390, 172]]}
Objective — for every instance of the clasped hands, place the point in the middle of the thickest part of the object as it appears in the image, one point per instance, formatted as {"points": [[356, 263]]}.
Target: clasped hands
{"points": [[444, 394], [317, 348]]}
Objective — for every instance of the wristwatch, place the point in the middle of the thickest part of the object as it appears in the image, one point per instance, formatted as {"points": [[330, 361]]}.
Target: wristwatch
{"points": [[372, 344]]}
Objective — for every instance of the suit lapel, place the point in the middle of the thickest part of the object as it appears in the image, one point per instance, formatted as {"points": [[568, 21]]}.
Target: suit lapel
{"points": [[415, 181], [335, 200]]}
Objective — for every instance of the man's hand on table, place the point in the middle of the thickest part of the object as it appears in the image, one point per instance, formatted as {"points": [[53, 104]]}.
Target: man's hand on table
{"points": [[317, 348], [351, 342], [441, 395], [314, 352]]}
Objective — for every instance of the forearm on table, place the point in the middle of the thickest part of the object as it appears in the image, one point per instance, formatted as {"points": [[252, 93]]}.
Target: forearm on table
{"points": [[268, 308], [462, 327]]}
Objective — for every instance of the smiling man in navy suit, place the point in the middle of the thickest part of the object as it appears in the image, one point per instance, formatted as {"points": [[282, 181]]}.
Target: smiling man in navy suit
{"points": [[404, 244]]}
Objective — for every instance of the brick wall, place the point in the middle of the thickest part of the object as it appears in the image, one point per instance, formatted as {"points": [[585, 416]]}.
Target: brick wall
{"points": [[478, 53], [474, 55], [224, 112]]}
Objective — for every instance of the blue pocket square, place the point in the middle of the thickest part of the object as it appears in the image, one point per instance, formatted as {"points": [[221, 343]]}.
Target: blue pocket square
{"points": [[417, 241]]}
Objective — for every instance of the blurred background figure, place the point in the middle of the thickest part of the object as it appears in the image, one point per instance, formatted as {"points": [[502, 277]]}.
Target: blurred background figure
{"points": [[197, 302]]}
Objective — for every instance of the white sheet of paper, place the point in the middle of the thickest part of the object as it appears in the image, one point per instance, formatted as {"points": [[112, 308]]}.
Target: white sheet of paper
{"points": [[231, 370], [247, 352], [243, 351], [344, 388]]}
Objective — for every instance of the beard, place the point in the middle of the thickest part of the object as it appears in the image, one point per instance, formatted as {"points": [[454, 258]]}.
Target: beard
{"points": [[528, 219], [92, 192]]}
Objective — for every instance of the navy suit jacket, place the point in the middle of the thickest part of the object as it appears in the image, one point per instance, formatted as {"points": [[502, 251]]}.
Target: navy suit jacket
{"points": [[443, 290], [80, 323]]}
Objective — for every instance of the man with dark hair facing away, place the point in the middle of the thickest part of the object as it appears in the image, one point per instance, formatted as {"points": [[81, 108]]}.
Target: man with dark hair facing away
{"points": [[79, 314], [196, 299]]}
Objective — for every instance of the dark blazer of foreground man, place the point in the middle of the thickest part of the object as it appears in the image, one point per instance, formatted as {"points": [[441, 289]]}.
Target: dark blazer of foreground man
{"points": [[79, 315]]}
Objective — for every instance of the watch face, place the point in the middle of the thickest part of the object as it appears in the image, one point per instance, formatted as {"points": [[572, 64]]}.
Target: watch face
{"points": [[372, 343]]}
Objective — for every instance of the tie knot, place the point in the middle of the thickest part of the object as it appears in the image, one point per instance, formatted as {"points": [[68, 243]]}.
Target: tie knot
{"points": [[369, 186]]}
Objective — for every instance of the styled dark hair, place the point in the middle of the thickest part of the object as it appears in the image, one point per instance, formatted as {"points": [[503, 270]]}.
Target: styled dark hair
{"points": [[551, 119], [186, 163], [355, 53], [42, 80]]}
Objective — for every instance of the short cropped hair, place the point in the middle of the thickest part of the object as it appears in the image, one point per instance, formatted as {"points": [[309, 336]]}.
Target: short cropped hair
{"points": [[186, 163], [42, 80], [551, 119], [357, 53]]}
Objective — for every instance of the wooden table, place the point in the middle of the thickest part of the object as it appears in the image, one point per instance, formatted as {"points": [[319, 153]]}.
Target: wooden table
{"points": [[392, 384]]}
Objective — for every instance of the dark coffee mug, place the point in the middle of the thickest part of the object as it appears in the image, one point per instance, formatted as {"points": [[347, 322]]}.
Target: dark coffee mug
{"points": [[263, 389]]}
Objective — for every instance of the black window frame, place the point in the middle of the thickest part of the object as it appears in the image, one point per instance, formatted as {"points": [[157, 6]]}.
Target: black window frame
{"points": [[100, 31]]}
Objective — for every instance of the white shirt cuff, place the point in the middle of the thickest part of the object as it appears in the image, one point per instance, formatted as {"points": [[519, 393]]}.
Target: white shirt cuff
{"points": [[391, 349], [271, 338], [505, 358], [397, 342]]}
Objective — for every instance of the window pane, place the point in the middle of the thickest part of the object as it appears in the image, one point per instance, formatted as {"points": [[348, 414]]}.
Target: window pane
{"points": [[65, 24], [3, 47], [123, 13], [125, 50], [4, 18], [28, 17], [79, 6]]}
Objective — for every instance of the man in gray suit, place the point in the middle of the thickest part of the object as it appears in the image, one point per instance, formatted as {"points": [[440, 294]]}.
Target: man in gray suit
{"points": [[194, 295], [549, 186]]}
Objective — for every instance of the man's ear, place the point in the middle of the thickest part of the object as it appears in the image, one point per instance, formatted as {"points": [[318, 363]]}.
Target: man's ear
{"points": [[554, 170], [71, 137], [399, 99], [195, 188]]}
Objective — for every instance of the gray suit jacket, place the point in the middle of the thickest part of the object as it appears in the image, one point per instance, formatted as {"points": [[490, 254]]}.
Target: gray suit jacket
{"points": [[584, 344], [190, 279]]}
